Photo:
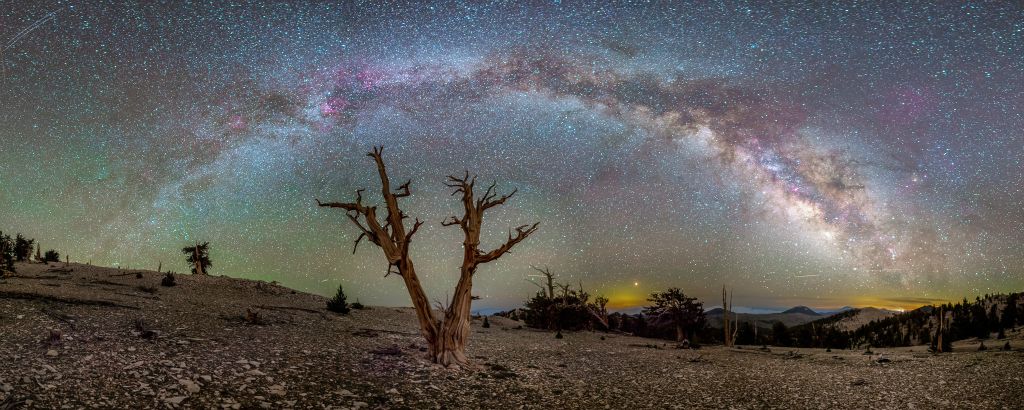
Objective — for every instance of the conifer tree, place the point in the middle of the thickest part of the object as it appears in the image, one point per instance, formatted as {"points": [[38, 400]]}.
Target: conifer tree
{"points": [[6, 254], [22, 248], [338, 304], [198, 257]]}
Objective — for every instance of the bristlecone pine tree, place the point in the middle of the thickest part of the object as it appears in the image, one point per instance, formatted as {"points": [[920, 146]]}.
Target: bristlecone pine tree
{"points": [[198, 257], [686, 313], [445, 336]]}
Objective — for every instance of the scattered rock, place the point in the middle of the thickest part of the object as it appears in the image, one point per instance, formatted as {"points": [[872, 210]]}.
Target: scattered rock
{"points": [[189, 386], [277, 390], [175, 400]]}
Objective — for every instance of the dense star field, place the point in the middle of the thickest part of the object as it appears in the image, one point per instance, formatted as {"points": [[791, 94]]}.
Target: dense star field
{"points": [[851, 154]]}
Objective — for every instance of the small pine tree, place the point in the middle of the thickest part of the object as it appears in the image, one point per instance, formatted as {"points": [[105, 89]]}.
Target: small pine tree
{"points": [[1002, 334], [558, 335], [338, 303], [486, 323], [51, 256], [1006, 346], [357, 305], [168, 280], [982, 347]]}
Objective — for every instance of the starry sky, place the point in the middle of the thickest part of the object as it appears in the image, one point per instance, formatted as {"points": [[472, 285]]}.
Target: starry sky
{"points": [[856, 153]]}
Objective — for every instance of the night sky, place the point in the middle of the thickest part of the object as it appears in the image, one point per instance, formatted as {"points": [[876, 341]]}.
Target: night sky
{"points": [[846, 154]]}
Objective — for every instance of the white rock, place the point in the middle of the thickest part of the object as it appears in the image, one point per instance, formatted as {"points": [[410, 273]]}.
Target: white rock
{"points": [[189, 385], [175, 400], [6, 388], [52, 353]]}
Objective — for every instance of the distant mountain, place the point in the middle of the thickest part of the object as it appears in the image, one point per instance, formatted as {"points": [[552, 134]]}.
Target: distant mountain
{"points": [[802, 309], [854, 318], [791, 317]]}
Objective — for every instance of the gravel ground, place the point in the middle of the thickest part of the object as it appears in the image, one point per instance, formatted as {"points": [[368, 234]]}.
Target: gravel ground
{"points": [[104, 338]]}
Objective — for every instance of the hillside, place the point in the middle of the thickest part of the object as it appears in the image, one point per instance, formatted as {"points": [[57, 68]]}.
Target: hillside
{"points": [[84, 336], [853, 319], [764, 320]]}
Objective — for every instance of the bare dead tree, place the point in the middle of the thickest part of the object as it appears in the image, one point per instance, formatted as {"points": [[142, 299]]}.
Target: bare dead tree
{"points": [[549, 278], [445, 337], [455, 328], [729, 323], [600, 310]]}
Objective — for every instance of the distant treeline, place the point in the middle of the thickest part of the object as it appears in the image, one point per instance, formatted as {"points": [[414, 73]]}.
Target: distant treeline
{"points": [[671, 314], [19, 249], [982, 318]]}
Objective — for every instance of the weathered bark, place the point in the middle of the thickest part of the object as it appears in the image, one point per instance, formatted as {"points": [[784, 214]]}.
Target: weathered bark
{"points": [[600, 310], [680, 334], [455, 329], [199, 261], [393, 240], [447, 337], [729, 326]]}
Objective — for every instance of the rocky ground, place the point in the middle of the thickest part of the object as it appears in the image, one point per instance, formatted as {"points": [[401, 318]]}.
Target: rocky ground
{"points": [[79, 336]]}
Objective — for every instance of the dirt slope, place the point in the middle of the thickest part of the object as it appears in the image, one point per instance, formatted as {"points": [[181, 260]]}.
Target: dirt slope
{"points": [[122, 345]]}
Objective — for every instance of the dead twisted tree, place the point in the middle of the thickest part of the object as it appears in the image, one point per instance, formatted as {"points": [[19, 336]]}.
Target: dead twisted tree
{"points": [[729, 322], [549, 278], [456, 322], [445, 336]]}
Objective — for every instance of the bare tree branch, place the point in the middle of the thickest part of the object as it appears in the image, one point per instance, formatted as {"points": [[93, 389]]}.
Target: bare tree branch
{"points": [[522, 233], [451, 221], [403, 190]]}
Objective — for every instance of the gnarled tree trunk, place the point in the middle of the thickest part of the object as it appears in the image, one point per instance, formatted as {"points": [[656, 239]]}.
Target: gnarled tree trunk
{"points": [[455, 329], [447, 337], [729, 325]]}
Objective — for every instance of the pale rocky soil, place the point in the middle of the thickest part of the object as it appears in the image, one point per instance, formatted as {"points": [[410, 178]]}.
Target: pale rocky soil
{"points": [[204, 355]]}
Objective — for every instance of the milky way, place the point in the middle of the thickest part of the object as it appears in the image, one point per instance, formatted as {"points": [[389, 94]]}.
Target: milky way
{"points": [[851, 154]]}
